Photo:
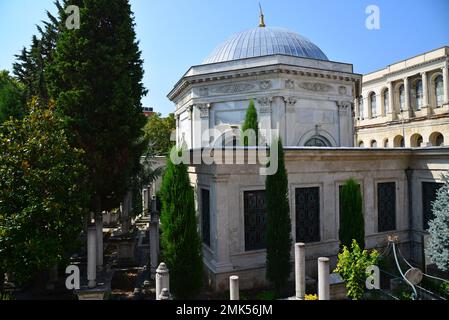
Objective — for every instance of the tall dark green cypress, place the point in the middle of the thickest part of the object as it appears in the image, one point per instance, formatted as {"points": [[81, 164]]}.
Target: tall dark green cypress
{"points": [[279, 240], [180, 240], [96, 81], [251, 123], [352, 222]]}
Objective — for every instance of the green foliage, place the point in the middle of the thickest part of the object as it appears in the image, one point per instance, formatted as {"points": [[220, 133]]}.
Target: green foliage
{"points": [[438, 249], [351, 266], [251, 123], [266, 295], [5, 297], [12, 102], [41, 194], [158, 132], [31, 63], [279, 240], [96, 79], [352, 222], [180, 240]]}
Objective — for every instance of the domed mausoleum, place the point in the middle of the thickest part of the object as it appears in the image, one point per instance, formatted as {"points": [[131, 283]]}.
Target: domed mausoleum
{"points": [[310, 102], [296, 88]]}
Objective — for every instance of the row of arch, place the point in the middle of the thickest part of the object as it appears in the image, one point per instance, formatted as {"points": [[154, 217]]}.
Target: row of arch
{"points": [[436, 97], [436, 139]]}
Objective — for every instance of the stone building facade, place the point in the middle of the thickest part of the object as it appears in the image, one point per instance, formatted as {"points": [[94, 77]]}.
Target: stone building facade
{"points": [[313, 103], [406, 103]]}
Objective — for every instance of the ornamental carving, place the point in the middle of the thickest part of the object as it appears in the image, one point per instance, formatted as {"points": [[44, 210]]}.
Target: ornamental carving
{"points": [[265, 101], [265, 85], [343, 107], [204, 92], [342, 90], [289, 84], [291, 101], [317, 87], [204, 109], [234, 88]]}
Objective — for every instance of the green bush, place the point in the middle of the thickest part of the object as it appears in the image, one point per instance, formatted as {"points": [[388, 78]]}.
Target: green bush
{"points": [[251, 123], [180, 240], [279, 240], [352, 265], [352, 222]]}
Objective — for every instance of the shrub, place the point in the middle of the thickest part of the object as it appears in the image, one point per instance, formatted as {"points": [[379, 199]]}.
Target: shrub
{"points": [[352, 265], [352, 223]]}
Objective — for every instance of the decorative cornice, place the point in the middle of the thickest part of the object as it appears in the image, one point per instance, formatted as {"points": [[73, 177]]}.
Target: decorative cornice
{"points": [[262, 71]]}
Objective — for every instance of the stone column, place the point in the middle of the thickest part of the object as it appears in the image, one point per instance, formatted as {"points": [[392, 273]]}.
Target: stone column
{"points": [[264, 105], [202, 138], [234, 288], [425, 89], [99, 232], [392, 110], [125, 210], [154, 243], [300, 270], [407, 107], [162, 280], [323, 279], [92, 256], [145, 198], [446, 82]]}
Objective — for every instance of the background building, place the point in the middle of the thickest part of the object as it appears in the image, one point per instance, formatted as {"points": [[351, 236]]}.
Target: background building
{"points": [[406, 103]]}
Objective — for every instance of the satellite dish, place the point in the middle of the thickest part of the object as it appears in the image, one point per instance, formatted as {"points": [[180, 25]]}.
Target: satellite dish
{"points": [[414, 276]]}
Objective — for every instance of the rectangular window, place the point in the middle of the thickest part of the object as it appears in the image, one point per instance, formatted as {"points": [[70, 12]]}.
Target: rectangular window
{"points": [[255, 220], [429, 194], [307, 215], [205, 216], [386, 206]]}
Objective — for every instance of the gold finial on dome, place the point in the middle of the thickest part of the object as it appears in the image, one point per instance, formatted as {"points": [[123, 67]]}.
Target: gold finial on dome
{"points": [[262, 17]]}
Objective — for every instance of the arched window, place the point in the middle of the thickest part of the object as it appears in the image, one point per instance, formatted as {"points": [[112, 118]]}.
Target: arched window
{"points": [[361, 144], [361, 106], [439, 92], [399, 142], [373, 144], [386, 143], [401, 97], [372, 99], [386, 98], [416, 141], [318, 141], [436, 139], [418, 95], [439, 140]]}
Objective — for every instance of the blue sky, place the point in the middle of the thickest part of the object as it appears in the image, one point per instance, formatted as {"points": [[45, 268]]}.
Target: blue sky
{"points": [[176, 34]]}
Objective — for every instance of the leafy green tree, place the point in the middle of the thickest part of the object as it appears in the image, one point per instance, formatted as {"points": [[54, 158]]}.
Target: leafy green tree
{"points": [[158, 131], [96, 80], [180, 240], [251, 123], [352, 222], [30, 64], [41, 194], [438, 250], [279, 240], [12, 102], [352, 265]]}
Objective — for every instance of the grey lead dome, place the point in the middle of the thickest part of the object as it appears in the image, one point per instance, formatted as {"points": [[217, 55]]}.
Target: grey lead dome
{"points": [[259, 42]]}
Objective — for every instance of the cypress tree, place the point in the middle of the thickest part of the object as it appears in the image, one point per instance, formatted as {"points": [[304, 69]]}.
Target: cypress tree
{"points": [[180, 240], [96, 80], [438, 250], [279, 240], [251, 123], [352, 223]]}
